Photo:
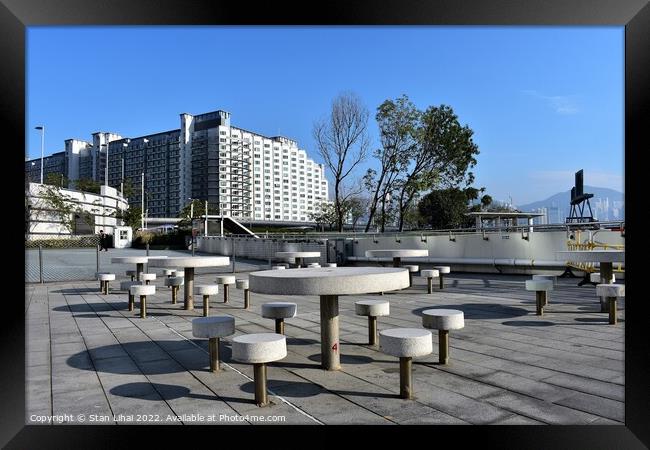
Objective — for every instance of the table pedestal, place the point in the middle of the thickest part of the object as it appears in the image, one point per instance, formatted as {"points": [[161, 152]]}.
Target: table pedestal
{"points": [[397, 261], [139, 268], [606, 272], [329, 332], [189, 288], [298, 262]]}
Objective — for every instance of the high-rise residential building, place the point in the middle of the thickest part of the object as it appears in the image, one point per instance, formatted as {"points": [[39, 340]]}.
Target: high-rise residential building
{"points": [[241, 173]]}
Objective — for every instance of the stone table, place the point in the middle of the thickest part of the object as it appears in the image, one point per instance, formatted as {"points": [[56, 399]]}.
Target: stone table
{"points": [[329, 283], [139, 262], [189, 263], [299, 256], [604, 257], [397, 255]]}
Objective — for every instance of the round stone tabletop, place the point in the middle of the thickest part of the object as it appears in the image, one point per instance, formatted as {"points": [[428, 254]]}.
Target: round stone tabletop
{"points": [[297, 254], [329, 281], [191, 261], [591, 256], [130, 259], [396, 253]]}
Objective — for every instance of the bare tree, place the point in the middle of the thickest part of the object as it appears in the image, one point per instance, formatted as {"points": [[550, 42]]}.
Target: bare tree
{"points": [[342, 140]]}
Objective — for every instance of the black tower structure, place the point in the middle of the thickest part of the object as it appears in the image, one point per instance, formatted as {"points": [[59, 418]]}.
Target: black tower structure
{"points": [[579, 200]]}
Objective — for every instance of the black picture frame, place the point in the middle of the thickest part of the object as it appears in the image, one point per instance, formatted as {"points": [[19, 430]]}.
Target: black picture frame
{"points": [[16, 15]]}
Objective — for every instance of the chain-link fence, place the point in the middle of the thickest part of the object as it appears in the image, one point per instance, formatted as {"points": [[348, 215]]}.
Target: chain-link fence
{"points": [[73, 258], [78, 259]]}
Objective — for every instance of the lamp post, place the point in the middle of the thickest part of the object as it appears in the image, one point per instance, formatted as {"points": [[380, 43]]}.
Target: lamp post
{"points": [[124, 145], [145, 140], [106, 166], [42, 129]]}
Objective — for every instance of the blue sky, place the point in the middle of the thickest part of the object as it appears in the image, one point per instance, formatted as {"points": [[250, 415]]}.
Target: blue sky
{"points": [[544, 102]]}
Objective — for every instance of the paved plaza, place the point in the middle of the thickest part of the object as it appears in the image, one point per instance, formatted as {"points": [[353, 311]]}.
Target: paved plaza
{"points": [[88, 355]]}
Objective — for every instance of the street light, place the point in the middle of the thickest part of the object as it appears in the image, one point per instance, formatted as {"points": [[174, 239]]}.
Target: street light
{"points": [[106, 166], [42, 129]]}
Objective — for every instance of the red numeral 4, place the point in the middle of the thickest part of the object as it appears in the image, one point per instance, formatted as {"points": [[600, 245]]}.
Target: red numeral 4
{"points": [[335, 347]]}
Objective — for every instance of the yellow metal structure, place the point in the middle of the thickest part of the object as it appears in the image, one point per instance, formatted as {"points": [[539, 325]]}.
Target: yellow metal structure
{"points": [[591, 244]]}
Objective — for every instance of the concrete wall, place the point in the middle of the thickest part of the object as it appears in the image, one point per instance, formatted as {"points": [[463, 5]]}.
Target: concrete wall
{"points": [[505, 252], [44, 224]]}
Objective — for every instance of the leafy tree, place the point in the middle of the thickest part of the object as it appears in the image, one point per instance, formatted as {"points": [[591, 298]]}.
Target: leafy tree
{"points": [[132, 217], [444, 208], [443, 157], [56, 179], [356, 208], [342, 142], [88, 185], [486, 201], [397, 121], [325, 216], [198, 210]]}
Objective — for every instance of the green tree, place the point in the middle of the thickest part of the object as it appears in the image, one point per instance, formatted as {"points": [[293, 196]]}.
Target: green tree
{"points": [[56, 179], [486, 201], [88, 185], [397, 121], [442, 158], [356, 208], [325, 216], [444, 208], [128, 189], [132, 217]]}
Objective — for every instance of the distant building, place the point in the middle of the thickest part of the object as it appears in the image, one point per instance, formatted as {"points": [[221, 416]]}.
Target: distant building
{"points": [[240, 173]]}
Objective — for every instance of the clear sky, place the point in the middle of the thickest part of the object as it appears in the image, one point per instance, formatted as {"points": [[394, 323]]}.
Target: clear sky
{"points": [[544, 102]]}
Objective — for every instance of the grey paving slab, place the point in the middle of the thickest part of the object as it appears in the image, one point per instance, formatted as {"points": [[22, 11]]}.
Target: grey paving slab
{"points": [[507, 365]]}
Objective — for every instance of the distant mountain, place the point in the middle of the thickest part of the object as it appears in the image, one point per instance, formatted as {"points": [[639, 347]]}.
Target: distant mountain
{"points": [[606, 204]]}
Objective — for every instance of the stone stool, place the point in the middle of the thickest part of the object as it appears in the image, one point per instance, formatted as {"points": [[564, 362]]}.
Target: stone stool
{"points": [[104, 278], [225, 280], [443, 320], [213, 328], [131, 273], [175, 283], [278, 268], [179, 273], [430, 275], [541, 287], [279, 311], [610, 292], [243, 284], [442, 270], [143, 290], [259, 349], [147, 277], [406, 344], [330, 264], [372, 309], [412, 270], [126, 286], [313, 265], [206, 290], [552, 278], [595, 278], [168, 272]]}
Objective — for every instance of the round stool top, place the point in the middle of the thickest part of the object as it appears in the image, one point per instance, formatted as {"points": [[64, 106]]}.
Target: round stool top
{"points": [[226, 279], [442, 269], [443, 319], [539, 285], [278, 268], [412, 268], [168, 272], [106, 276], [595, 277], [372, 308], [313, 265], [143, 289], [610, 290], [174, 281], [552, 278], [405, 342], [206, 289], [179, 273], [213, 326], [259, 347], [147, 276], [279, 310], [429, 273], [131, 272], [241, 284], [126, 285], [330, 264]]}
